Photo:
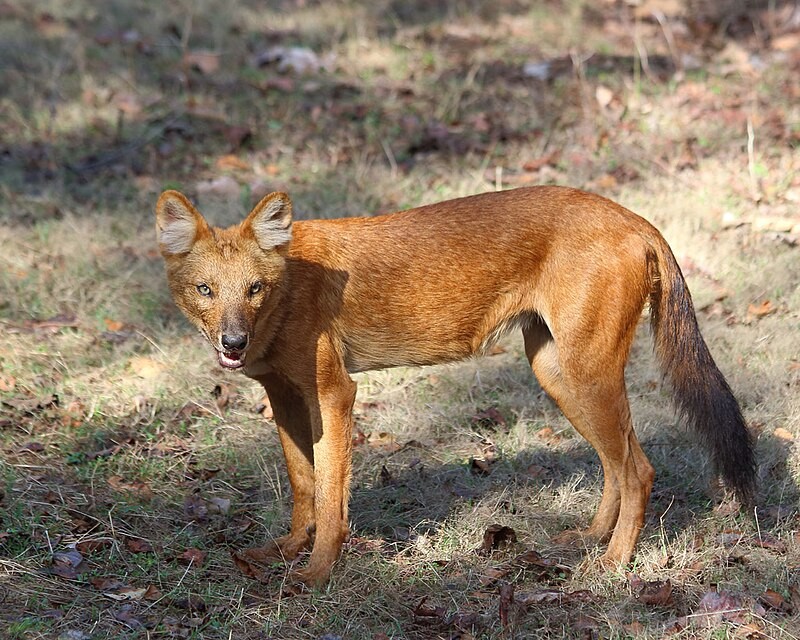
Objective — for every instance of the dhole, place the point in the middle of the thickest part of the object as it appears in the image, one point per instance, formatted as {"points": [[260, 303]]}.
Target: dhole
{"points": [[300, 306]]}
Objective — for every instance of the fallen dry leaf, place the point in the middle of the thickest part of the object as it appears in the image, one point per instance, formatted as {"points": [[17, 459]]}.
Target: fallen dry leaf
{"points": [[774, 600], [716, 606], [219, 505], [495, 536], [32, 405], [192, 557], [105, 583], [249, 567], [768, 541], [126, 593], [139, 489], [783, 434], [634, 628], [138, 545], [87, 547], [113, 325], [231, 162], [587, 625], [384, 442], [506, 603], [426, 612], [730, 538], [126, 616], [195, 507], [550, 158], [152, 593], [7, 383], [605, 182], [224, 393], [774, 223], [103, 453], [73, 414], [49, 27], [536, 471], [540, 596], [761, 309], [786, 42], [533, 563], [67, 564], [80, 524], [656, 593], [493, 574], [546, 568], [548, 434], [677, 625], [553, 596], [206, 473], [794, 597], [751, 631], [293, 590], [489, 418], [191, 602]]}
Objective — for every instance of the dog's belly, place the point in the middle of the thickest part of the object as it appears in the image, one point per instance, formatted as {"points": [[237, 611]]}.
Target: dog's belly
{"points": [[383, 352], [383, 348]]}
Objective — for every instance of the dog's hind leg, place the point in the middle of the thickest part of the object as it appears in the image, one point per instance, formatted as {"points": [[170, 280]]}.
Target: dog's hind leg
{"points": [[586, 379], [543, 357]]}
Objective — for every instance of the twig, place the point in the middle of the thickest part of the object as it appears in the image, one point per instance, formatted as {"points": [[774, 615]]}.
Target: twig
{"points": [[751, 161], [667, 31], [390, 156]]}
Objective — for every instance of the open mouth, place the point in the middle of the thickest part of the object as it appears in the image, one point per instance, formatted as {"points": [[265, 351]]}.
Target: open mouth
{"points": [[231, 359]]}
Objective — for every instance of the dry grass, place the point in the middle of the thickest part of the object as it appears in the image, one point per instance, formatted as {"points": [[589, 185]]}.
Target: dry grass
{"points": [[421, 101]]}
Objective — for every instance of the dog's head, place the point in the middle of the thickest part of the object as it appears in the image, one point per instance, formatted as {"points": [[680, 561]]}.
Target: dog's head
{"points": [[220, 278]]}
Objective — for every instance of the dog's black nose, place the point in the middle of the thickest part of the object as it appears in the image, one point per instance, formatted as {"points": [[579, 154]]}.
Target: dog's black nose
{"points": [[235, 342]]}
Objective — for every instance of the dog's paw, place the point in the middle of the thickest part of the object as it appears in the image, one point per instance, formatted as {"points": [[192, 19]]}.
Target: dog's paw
{"points": [[310, 577]]}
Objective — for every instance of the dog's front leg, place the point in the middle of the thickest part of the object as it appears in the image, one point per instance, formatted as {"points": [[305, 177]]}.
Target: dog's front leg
{"points": [[293, 420], [333, 437]]}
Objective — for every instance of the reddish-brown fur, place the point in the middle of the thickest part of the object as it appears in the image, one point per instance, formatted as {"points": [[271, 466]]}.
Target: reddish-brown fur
{"points": [[435, 284]]}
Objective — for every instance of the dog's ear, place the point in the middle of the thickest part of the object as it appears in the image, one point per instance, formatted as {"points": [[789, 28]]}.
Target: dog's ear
{"points": [[271, 221], [178, 223]]}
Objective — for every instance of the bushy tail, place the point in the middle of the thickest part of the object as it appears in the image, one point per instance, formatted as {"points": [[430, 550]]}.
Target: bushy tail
{"points": [[701, 392]]}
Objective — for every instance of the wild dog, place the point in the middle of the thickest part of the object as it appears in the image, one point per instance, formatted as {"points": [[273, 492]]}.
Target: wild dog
{"points": [[299, 306]]}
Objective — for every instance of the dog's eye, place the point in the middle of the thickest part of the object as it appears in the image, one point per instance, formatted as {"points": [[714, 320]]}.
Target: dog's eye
{"points": [[255, 288], [204, 290]]}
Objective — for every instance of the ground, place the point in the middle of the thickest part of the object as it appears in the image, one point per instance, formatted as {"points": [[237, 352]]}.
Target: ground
{"points": [[132, 465]]}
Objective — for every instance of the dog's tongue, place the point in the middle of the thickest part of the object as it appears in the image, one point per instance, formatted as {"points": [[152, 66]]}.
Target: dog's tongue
{"points": [[230, 359]]}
